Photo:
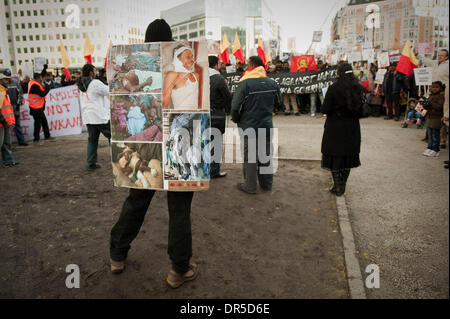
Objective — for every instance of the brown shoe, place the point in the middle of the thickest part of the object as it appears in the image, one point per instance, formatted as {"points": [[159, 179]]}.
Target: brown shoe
{"points": [[175, 279], [117, 267]]}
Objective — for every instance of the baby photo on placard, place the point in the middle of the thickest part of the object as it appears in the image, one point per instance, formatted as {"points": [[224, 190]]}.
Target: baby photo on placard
{"points": [[137, 165], [185, 71], [135, 68], [136, 118], [187, 157]]}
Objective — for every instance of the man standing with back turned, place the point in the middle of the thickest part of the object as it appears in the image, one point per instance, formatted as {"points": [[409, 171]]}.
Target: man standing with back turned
{"points": [[94, 111], [252, 108]]}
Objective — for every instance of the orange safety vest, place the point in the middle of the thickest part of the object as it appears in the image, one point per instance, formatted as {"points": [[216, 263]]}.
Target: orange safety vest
{"points": [[8, 111], [35, 101]]}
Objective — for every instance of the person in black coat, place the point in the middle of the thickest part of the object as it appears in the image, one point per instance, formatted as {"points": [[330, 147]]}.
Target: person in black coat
{"points": [[341, 143], [220, 98]]}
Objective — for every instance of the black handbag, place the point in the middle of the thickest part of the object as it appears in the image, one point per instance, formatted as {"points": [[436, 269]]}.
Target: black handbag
{"points": [[365, 108]]}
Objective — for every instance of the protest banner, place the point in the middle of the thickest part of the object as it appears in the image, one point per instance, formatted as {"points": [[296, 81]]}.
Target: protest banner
{"points": [[303, 63], [160, 130], [423, 76], [295, 82], [27, 69], [369, 55], [383, 60], [62, 109], [360, 38], [394, 57], [425, 48], [339, 45]]}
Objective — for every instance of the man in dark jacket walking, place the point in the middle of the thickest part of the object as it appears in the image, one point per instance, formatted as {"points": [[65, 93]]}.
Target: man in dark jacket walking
{"points": [[220, 98], [251, 109]]}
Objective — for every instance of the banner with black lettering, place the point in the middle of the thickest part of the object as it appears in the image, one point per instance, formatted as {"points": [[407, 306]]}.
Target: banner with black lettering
{"points": [[294, 82]]}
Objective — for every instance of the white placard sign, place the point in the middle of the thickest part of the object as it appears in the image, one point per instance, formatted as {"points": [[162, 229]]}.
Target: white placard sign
{"points": [[62, 109], [383, 60], [379, 78], [354, 57], [423, 76]]}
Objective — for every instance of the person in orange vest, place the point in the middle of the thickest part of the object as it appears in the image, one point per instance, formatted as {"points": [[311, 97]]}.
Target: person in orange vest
{"points": [[36, 100], [6, 121]]}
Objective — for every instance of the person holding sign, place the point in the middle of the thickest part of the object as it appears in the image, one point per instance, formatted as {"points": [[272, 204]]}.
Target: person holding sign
{"points": [[94, 111], [135, 207]]}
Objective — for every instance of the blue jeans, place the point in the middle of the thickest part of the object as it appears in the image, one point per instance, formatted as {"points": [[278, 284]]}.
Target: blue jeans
{"points": [[434, 139], [417, 115], [5, 142]]}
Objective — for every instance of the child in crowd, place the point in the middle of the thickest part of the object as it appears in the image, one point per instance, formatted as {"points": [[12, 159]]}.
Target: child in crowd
{"points": [[435, 109], [412, 114]]}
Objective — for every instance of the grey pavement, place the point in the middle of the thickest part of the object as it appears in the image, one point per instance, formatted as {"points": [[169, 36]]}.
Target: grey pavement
{"points": [[397, 202]]}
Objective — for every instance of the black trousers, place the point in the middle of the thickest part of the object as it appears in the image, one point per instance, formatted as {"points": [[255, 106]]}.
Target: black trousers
{"points": [[94, 131], [130, 221], [393, 104], [40, 120]]}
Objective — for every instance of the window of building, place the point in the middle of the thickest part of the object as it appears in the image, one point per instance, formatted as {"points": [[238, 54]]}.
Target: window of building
{"points": [[183, 37], [193, 26]]}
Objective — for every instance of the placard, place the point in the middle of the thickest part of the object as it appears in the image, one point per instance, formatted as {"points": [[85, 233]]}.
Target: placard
{"points": [[425, 48], [383, 60], [379, 78], [62, 109], [317, 36], [160, 115], [354, 57], [39, 63], [423, 76]]}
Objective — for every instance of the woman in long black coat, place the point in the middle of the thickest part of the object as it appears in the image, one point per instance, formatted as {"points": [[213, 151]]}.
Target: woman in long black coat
{"points": [[341, 143]]}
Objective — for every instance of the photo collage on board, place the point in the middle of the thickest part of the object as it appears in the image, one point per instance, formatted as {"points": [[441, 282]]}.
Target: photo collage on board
{"points": [[159, 114]]}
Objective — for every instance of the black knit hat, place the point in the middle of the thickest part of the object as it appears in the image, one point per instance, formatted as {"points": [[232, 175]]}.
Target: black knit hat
{"points": [[158, 31]]}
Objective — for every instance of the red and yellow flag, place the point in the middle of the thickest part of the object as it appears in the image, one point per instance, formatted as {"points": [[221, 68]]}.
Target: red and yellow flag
{"points": [[303, 63], [261, 53], [224, 56], [237, 50], [408, 61], [88, 49]]}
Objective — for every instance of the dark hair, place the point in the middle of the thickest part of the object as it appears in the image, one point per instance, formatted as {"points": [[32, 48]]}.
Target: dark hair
{"points": [[350, 87], [37, 76], [441, 85], [256, 61], [158, 31], [87, 68], [213, 61], [445, 50]]}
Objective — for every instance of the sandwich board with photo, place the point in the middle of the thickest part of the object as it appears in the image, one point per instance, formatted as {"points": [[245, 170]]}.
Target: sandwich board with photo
{"points": [[160, 115]]}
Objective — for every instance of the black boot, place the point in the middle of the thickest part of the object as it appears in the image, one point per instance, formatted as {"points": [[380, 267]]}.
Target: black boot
{"points": [[344, 173], [336, 189]]}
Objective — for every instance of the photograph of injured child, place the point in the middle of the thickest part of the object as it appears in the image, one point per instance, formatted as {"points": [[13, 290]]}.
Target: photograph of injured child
{"points": [[136, 118], [135, 68], [187, 157], [137, 165], [185, 74]]}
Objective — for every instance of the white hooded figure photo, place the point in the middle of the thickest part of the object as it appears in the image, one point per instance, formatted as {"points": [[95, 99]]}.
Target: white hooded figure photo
{"points": [[184, 85]]}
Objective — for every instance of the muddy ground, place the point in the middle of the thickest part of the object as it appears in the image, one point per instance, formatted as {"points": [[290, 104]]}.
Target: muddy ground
{"points": [[53, 213]]}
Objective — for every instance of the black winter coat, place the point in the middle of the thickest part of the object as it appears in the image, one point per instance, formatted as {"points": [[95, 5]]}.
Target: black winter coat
{"points": [[220, 96], [253, 103], [342, 135]]}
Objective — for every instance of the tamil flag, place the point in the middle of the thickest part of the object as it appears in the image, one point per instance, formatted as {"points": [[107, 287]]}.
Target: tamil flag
{"points": [[303, 63], [237, 50], [65, 60], [261, 53], [408, 61], [224, 56], [88, 49]]}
